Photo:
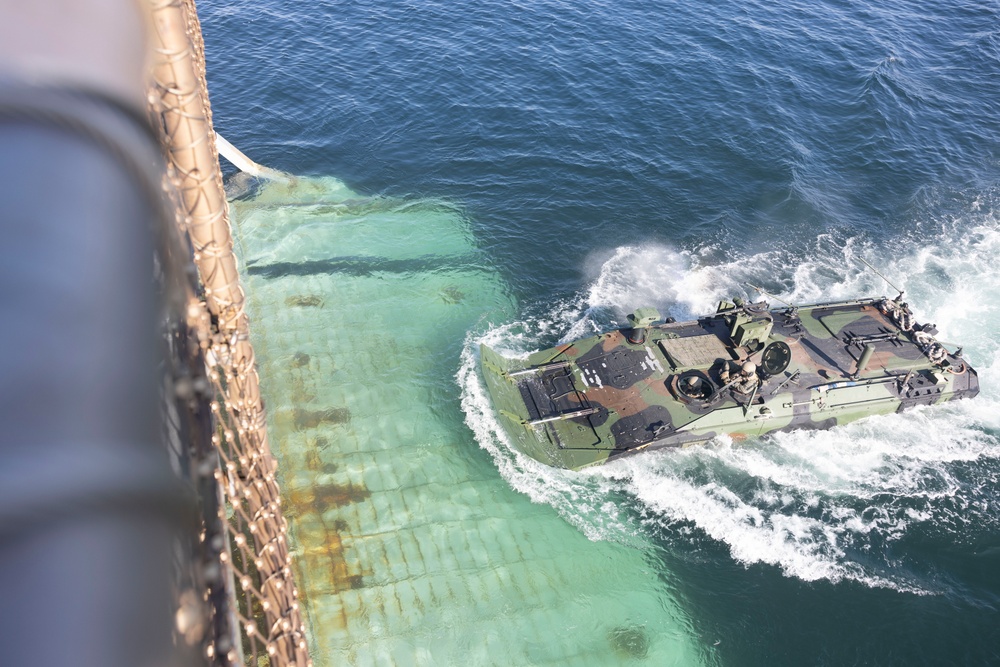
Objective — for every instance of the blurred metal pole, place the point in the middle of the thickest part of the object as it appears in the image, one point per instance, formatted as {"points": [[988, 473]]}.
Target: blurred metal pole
{"points": [[89, 506]]}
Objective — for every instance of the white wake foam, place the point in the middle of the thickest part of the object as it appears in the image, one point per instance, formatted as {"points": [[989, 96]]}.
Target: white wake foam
{"points": [[582, 500], [816, 504]]}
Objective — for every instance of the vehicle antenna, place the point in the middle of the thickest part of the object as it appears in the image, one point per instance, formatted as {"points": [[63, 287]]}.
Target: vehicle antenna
{"points": [[764, 291], [866, 263]]}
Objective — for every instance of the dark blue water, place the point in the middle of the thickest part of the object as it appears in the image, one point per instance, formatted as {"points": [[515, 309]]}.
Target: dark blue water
{"points": [[665, 152]]}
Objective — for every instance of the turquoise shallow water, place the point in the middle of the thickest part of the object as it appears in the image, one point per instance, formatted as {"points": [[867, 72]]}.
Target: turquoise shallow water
{"points": [[410, 548], [525, 173]]}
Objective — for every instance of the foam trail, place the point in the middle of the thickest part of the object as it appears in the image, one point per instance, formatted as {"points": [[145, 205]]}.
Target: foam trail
{"points": [[584, 501], [817, 505]]}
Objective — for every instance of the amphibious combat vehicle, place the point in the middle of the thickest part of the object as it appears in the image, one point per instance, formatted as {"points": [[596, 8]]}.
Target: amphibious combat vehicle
{"points": [[747, 370]]}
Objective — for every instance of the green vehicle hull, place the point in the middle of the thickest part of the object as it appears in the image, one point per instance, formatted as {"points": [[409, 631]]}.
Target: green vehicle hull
{"points": [[744, 371]]}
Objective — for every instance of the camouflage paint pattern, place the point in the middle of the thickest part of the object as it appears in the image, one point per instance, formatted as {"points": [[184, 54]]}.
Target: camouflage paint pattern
{"points": [[744, 371]]}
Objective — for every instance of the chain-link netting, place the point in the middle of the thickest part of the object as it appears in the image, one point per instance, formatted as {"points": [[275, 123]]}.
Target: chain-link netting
{"points": [[247, 592]]}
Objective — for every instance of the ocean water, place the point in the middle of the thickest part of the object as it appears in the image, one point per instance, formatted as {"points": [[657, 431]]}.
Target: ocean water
{"points": [[524, 173]]}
